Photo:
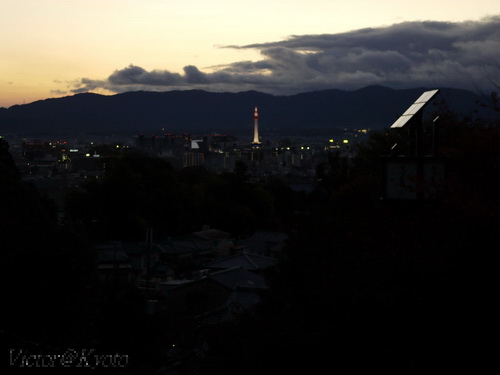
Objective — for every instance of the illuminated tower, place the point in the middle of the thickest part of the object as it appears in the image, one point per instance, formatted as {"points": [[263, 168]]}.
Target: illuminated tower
{"points": [[256, 127]]}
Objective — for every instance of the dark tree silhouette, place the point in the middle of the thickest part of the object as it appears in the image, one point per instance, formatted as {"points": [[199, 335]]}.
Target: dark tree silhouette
{"points": [[47, 271]]}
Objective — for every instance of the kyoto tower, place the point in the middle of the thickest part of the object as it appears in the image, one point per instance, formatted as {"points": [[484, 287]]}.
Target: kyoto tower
{"points": [[256, 127]]}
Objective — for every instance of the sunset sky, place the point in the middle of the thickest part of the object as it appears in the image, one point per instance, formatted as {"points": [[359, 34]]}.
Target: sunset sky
{"points": [[53, 48]]}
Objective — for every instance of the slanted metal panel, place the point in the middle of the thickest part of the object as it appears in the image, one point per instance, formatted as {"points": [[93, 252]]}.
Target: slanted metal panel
{"points": [[414, 108], [426, 96], [417, 106], [400, 122]]}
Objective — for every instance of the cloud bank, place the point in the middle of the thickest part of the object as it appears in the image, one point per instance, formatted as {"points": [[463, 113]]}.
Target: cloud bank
{"points": [[409, 54]]}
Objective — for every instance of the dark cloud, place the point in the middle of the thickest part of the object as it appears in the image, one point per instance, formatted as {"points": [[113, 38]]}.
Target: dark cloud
{"points": [[135, 75], [409, 54], [58, 92], [193, 75]]}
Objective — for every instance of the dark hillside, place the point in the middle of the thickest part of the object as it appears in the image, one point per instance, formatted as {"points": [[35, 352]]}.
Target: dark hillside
{"points": [[195, 110]]}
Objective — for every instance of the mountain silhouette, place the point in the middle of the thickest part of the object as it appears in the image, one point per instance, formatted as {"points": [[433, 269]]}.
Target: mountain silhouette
{"points": [[201, 111]]}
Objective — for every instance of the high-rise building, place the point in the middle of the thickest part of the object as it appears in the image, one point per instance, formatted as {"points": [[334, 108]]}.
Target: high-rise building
{"points": [[256, 127]]}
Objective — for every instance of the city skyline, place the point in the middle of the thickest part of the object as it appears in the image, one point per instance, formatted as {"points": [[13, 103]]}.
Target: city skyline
{"points": [[57, 48]]}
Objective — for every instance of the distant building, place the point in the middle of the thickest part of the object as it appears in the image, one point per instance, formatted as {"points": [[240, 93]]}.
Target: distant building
{"points": [[249, 261], [114, 267], [217, 297]]}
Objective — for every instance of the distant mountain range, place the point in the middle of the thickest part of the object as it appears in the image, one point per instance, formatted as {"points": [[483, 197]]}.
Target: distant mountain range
{"points": [[201, 111]]}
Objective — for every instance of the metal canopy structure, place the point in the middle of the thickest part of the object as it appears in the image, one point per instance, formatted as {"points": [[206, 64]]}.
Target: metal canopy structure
{"points": [[415, 108], [415, 176]]}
